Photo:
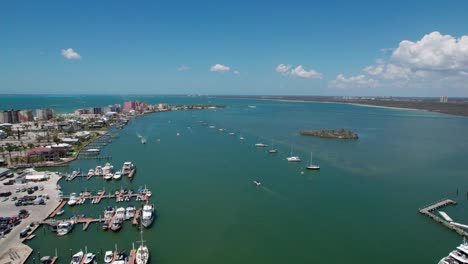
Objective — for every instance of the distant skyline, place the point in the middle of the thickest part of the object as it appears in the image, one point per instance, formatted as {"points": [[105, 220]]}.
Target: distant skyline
{"points": [[339, 48]]}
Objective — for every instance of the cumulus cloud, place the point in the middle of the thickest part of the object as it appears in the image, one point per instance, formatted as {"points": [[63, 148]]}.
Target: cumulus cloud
{"points": [[283, 68], [388, 71], [220, 68], [183, 68], [299, 71], [70, 54], [359, 81]]}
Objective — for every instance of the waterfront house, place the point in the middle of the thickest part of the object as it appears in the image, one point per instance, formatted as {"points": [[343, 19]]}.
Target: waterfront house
{"points": [[46, 154]]}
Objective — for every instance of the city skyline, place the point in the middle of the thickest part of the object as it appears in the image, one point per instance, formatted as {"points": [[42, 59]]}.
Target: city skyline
{"points": [[325, 48]]}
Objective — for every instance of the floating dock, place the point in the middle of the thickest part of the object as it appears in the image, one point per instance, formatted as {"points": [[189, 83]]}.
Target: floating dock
{"points": [[446, 216], [427, 211]]}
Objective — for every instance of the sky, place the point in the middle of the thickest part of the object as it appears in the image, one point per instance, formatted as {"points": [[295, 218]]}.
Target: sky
{"points": [[343, 48]]}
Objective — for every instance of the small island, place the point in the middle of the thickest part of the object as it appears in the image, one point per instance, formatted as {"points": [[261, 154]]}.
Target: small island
{"points": [[340, 134]]}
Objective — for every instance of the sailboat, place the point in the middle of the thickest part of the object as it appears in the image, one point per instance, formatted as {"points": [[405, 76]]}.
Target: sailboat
{"points": [[272, 150], [142, 254], [311, 165], [292, 158]]}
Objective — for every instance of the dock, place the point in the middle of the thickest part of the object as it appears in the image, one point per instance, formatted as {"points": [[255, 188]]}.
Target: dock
{"points": [[118, 196], [130, 175], [427, 211], [54, 213], [136, 216], [132, 257]]}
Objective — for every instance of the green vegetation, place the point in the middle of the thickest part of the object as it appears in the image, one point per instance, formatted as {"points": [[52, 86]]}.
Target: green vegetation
{"points": [[340, 134]]}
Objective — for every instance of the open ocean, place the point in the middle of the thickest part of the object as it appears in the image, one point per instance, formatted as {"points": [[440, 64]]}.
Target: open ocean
{"points": [[361, 207]]}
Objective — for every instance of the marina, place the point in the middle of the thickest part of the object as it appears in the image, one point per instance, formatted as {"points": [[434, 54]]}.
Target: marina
{"points": [[428, 211]]}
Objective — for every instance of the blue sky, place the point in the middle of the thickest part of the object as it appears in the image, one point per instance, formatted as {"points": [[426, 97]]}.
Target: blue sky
{"points": [[262, 47]]}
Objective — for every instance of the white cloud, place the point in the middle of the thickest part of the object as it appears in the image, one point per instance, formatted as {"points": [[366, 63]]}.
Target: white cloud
{"points": [[220, 68], [183, 68], [434, 52], [299, 71], [283, 68], [236, 72], [359, 81], [388, 71], [70, 54]]}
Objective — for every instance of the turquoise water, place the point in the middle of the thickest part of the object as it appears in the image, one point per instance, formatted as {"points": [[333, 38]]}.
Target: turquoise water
{"points": [[362, 207]]}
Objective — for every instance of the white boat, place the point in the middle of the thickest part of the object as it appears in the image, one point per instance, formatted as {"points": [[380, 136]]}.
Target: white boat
{"points": [[272, 150], [108, 168], [143, 141], [260, 145], [232, 134], [120, 213], [147, 216], [148, 193], [117, 175], [76, 259], [311, 165], [64, 228], [127, 168], [90, 172], [109, 212], [93, 151], [142, 254], [130, 212], [257, 183], [108, 176], [60, 212], [211, 126], [108, 256], [457, 256], [293, 159], [252, 106], [98, 171], [73, 199], [241, 138], [89, 257]]}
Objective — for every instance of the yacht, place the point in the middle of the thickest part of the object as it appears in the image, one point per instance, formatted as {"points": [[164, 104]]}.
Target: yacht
{"points": [[457, 256], [108, 168], [76, 259], [142, 254], [117, 175], [108, 256], [293, 159], [130, 212], [261, 145], [108, 176], [116, 224], [109, 212], [127, 168], [311, 165], [257, 183], [98, 171], [147, 215], [90, 172], [120, 213], [73, 199], [64, 228], [89, 257]]}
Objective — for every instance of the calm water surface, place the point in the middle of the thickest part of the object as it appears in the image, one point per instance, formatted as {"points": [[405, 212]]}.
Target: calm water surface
{"points": [[362, 207]]}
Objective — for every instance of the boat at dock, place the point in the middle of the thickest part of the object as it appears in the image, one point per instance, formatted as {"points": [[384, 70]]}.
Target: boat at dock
{"points": [[142, 254], [117, 175], [98, 171], [109, 212], [64, 228], [108, 256], [108, 168], [312, 166], [73, 199], [89, 257], [108, 176], [76, 259], [130, 212], [457, 256], [60, 212], [127, 168], [90, 172], [147, 217], [116, 224]]}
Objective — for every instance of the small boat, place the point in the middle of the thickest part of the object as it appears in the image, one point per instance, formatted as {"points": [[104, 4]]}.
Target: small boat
{"points": [[232, 134], [108, 176], [211, 126], [108, 256], [117, 175], [311, 165], [93, 151], [148, 193], [60, 212], [257, 183], [105, 226], [241, 138], [272, 150], [89, 257], [221, 129], [98, 171], [143, 141], [178, 134], [90, 172], [73, 199], [260, 145], [46, 260], [130, 212], [293, 159], [116, 225], [252, 106], [127, 168], [76, 259], [109, 212]]}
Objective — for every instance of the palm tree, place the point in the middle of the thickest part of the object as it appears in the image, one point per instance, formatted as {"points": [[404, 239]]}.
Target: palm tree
{"points": [[9, 148]]}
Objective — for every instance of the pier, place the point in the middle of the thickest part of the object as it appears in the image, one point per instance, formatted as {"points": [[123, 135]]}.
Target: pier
{"points": [[118, 196], [427, 211], [54, 213]]}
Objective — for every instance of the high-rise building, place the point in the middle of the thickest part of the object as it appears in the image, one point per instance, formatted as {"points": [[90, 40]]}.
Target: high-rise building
{"points": [[44, 114], [26, 116], [9, 116], [129, 106], [443, 99]]}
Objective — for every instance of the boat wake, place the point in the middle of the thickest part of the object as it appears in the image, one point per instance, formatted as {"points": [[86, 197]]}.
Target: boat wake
{"points": [[276, 194]]}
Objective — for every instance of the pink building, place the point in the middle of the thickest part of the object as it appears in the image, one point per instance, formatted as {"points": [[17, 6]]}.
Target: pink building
{"points": [[129, 106]]}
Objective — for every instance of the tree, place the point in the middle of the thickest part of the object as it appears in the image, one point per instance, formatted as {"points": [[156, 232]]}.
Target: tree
{"points": [[9, 148]]}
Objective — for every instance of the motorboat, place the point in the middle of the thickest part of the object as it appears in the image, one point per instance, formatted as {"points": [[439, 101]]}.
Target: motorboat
{"points": [[105, 226], [109, 212], [90, 172], [60, 212], [98, 171], [108, 168], [130, 212], [148, 193], [116, 224], [142, 254], [76, 259], [127, 168], [89, 257], [261, 145], [117, 175], [147, 216], [241, 138], [272, 151], [257, 183], [73, 199], [108, 256], [293, 159], [120, 213], [108, 176]]}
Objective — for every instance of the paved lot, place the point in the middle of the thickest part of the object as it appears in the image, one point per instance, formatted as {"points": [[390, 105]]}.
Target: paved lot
{"points": [[12, 250]]}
